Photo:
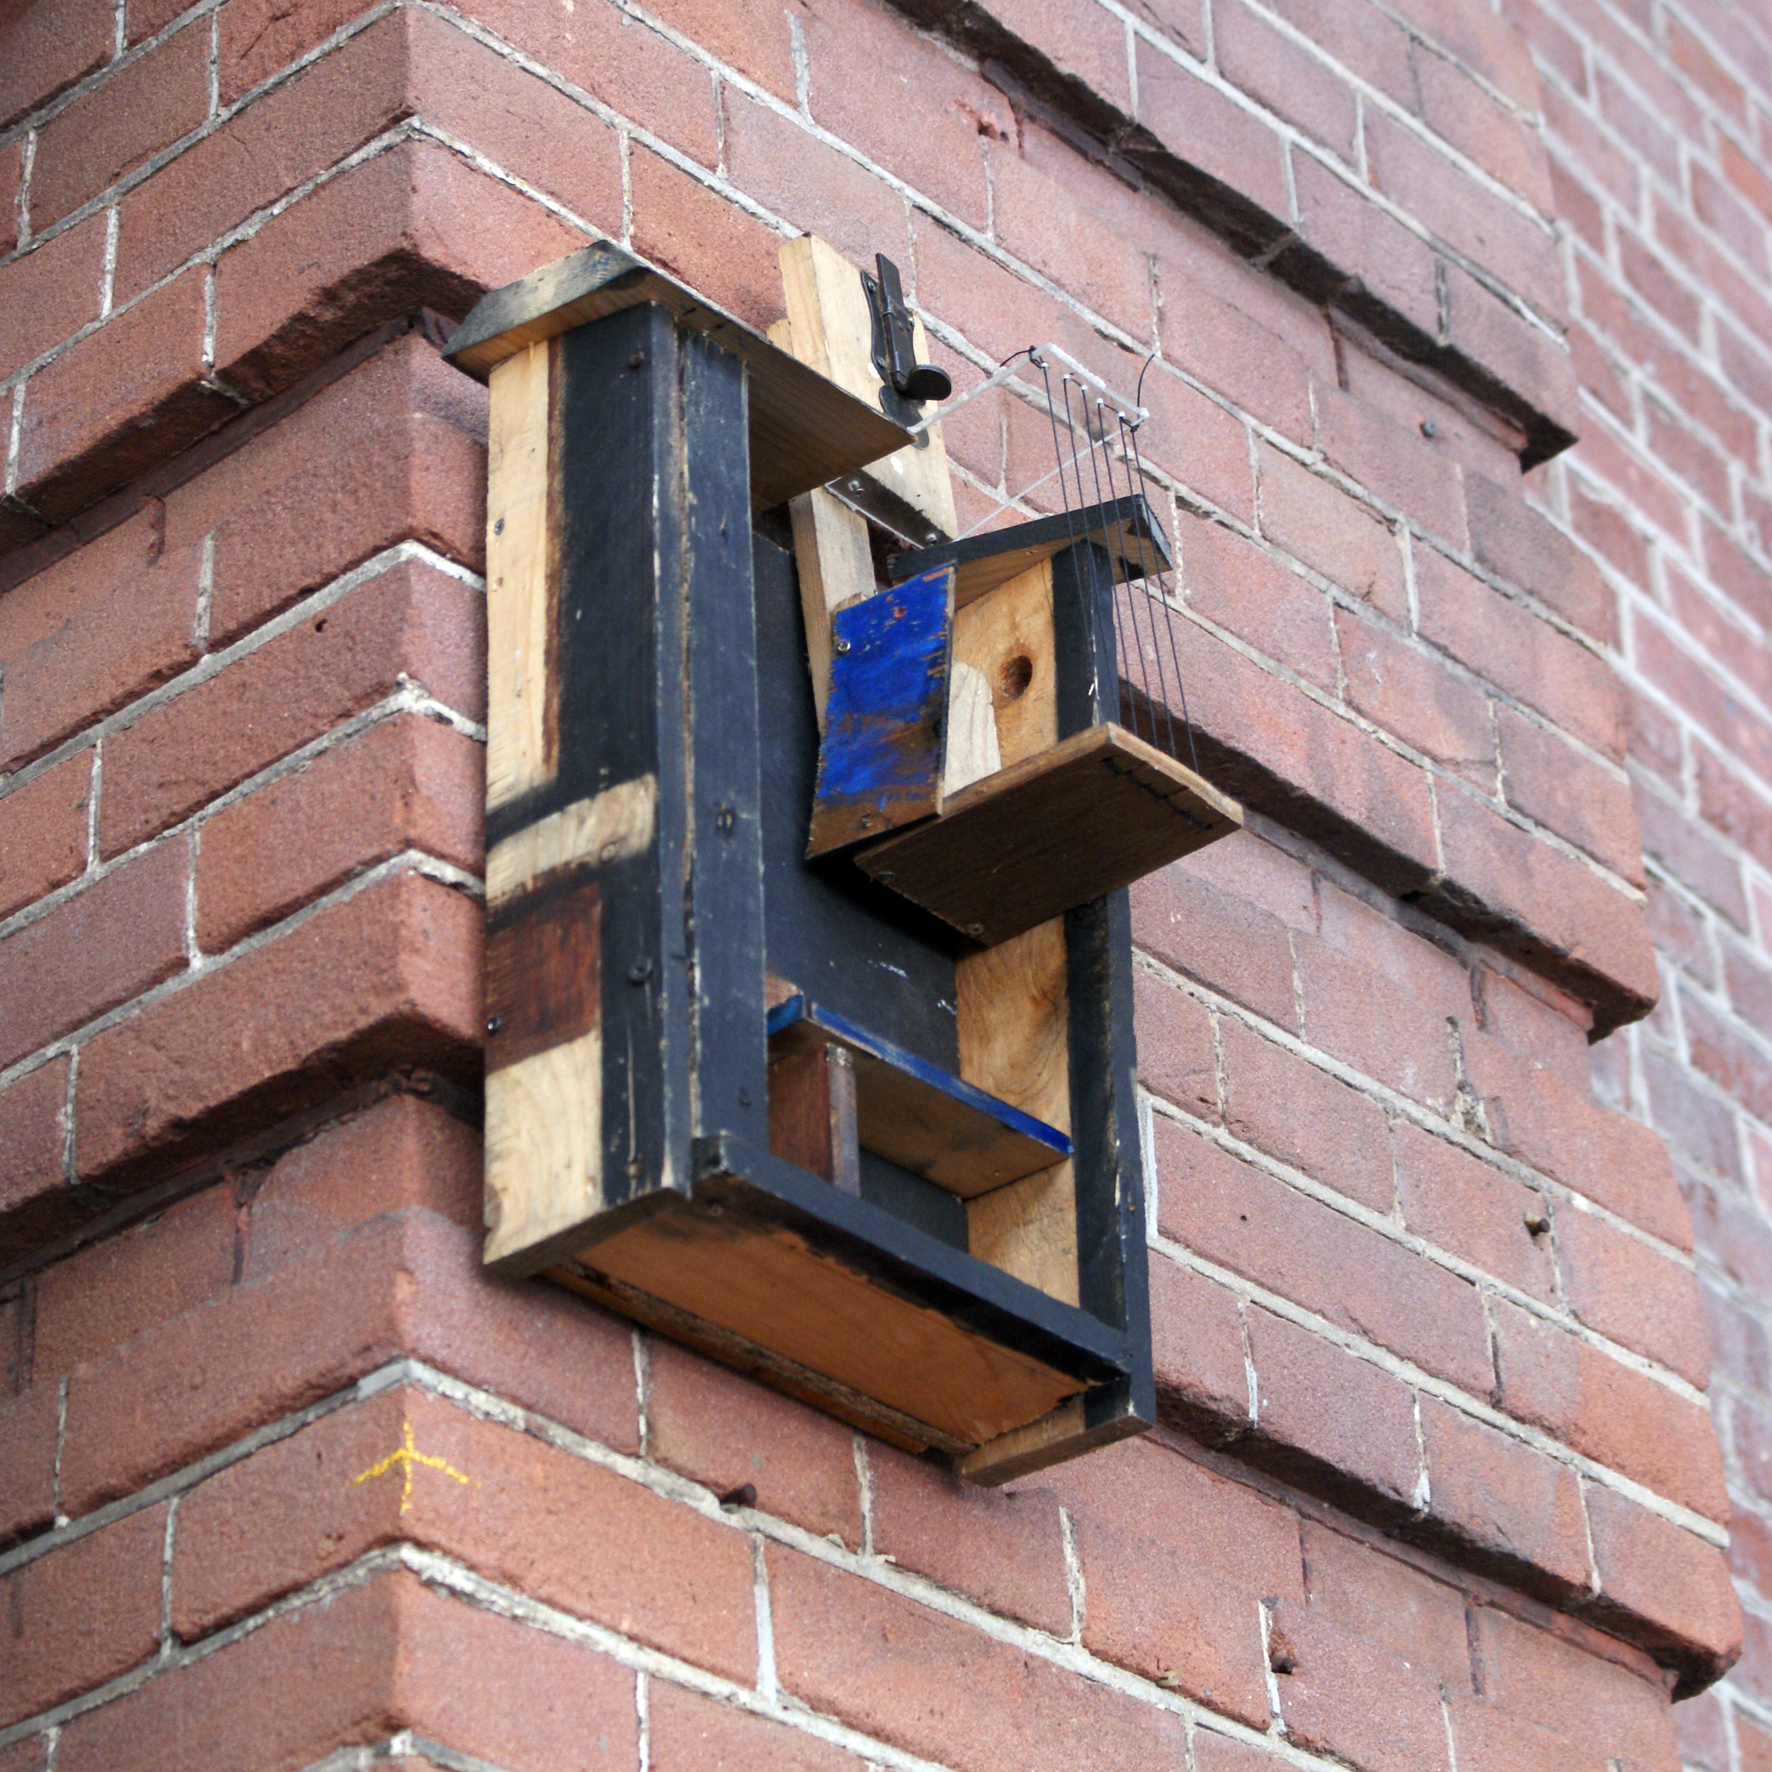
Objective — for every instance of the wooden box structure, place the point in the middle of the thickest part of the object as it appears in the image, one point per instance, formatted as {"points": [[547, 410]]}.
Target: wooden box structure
{"points": [[766, 1103]]}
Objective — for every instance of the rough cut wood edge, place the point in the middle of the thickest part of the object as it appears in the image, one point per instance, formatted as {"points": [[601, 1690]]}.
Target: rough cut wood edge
{"points": [[832, 331], [522, 567], [805, 429], [1054, 1438]]}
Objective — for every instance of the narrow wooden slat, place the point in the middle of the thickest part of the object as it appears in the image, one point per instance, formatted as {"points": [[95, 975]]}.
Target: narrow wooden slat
{"points": [[920, 1117], [607, 827], [812, 1114], [522, 589], [972, 748], [1062, 827], [1007, 637], [836, 566]]}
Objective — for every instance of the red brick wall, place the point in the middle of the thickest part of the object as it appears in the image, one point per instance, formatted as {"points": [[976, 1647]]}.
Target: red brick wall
{"points": [[1437, 1482]]}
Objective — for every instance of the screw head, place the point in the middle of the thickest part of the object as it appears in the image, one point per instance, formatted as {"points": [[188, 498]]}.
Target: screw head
{"points": [[494, 1023], [840, 646]]}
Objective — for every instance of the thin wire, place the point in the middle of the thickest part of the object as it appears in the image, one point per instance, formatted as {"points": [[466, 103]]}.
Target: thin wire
{"points": [[1091, 553], [1134, 500], [1168, 603]]}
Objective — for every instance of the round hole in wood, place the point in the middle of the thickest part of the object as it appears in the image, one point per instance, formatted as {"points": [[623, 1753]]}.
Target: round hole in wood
{"points": [[1015, 676]]}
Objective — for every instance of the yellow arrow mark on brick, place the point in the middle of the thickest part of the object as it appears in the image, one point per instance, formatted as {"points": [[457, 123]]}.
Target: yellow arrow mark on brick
{"points": [[406, 1456]]}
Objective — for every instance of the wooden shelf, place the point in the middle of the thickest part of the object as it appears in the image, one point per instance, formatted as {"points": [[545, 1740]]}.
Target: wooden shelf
{"points": [[804, 429], [919, 1116], [1123, 527], [1056, 830]]}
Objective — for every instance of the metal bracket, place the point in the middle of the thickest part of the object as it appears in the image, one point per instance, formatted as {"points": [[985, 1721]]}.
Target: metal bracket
{"points": [[895, 350]]}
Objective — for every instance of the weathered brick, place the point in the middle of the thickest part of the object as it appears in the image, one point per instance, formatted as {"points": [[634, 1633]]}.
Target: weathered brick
{"points": [[406, 784], [49, 293], [1393, 266], [1597, 1703], [758, 44], [47, 50], [1226, 943], [375, 242], [1003, 1547], [1285, 1106], [83, 1614], [1514, 889], [1330, 1419], [1503, 143], [1554, 784], [94, 950], [35, 1203], [619, 58], [400, 1153], [689, 1733], [727, 1431], [1373, 1710], [123, 399], [1197, 1351], [682, 225], [1537, 1117], [90, 633], [410, 620], [912, 1677], [1413, 696], [1203, 128], [391, 975], [1471, 1209], [1607, 1410], [1507, 1507], [1487, 1736], [1396, 465], [1244, 1220], [1656, 1570], [1326, 529], [43, 832], [1632, 1293], [28, 1426], [528, 1516], [1238, 586], [1537, 1022], [1175, 1048], [101, 1297], [782, 165], [1284, 77], [12, 165], [1394, 1606], [410, 1284], [1352, 1011], [361, 1666], [113, 129]]}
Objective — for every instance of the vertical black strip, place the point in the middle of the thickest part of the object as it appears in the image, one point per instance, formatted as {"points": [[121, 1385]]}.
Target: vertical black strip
{"points": [[621, 712], [725, 925]]}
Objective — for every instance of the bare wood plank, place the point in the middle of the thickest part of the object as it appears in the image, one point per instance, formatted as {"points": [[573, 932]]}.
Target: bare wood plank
{"points": [[522, 727], [1007, 637], [832, 332], [972, 749], [1056, 830], [773, 1289], [544, 1145], [1014, 1027], [1065, 1433], [608, 827], [835, 565], [812, 1114]]}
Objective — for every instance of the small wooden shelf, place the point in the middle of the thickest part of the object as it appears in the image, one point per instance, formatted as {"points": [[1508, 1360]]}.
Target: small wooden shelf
{"points": [[1097, 811], [920, 1117], [804, 429], [1123, 528]]}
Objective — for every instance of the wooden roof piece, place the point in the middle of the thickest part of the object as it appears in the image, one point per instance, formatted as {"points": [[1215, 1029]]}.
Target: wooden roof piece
{"points": [[804, 429], [1124, 527]]}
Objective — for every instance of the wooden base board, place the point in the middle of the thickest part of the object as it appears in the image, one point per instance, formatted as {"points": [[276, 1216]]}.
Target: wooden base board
{"points": [[1056, 830], [765, 1285]]}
